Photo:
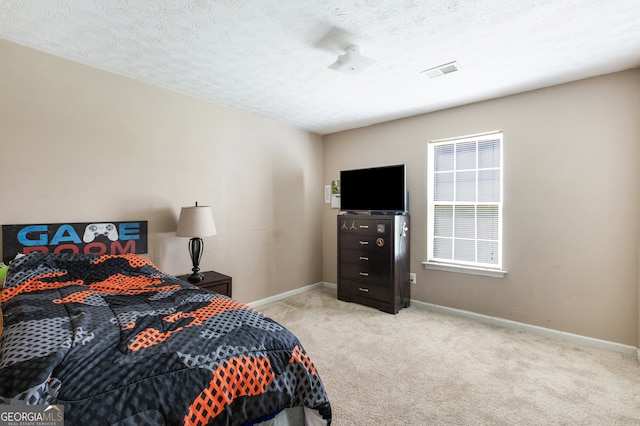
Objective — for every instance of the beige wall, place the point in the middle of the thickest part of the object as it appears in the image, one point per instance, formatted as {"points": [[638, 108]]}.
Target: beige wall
{"points": [[80, 144], [571, 204]]}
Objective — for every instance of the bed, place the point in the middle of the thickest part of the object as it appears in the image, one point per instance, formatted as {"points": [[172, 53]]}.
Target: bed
{"points": [[116, 341]]}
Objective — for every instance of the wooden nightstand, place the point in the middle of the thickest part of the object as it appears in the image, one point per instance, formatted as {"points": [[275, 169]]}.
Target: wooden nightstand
{"points": [[214, 281]]}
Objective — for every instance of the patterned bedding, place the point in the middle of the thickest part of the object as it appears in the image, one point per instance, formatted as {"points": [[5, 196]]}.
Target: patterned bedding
{"points": [[116, 341]]}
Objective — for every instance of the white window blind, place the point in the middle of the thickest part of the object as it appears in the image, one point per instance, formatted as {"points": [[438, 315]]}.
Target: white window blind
{"points": [[465, 201]]}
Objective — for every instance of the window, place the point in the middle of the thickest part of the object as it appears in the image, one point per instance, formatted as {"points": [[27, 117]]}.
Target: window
{"points": [[465, 203]]}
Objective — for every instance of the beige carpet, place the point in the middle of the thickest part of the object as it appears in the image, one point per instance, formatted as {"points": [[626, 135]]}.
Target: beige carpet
{"points": [[426, 368]]}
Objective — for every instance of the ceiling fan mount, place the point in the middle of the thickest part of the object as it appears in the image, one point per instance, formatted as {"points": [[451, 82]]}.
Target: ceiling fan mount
{"points": [[351, 61]]}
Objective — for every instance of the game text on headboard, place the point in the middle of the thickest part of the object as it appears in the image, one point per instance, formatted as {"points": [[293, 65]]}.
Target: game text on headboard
{"points": [[91, 238]]}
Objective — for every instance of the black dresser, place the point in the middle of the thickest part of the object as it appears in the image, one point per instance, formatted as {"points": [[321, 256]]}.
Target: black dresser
{"points": [[373, 261]]}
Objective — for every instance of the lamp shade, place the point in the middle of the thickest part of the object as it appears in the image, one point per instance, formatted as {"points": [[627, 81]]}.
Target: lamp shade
{"points": [[196, 221]]}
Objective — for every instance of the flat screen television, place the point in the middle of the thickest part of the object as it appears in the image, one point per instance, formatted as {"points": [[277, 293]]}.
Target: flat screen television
{"points": [[376, 190]]}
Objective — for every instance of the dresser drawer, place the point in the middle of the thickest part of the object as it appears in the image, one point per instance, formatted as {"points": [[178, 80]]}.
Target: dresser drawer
{"points": [[365, 242], [367, 258], [365, 226], [365, 274], [369, 291]]}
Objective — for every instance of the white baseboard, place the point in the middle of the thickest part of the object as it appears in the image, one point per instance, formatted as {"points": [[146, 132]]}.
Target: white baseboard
{"points": [[284, 295], [501, 322], [547, 332], [330, 285]]}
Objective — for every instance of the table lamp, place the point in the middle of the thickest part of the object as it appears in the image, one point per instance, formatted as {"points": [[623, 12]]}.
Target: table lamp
{"points": [[196, 222]]}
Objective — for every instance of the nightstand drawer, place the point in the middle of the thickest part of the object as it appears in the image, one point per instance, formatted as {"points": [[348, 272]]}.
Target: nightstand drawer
{"points": [[213, 281], [218, 288]]}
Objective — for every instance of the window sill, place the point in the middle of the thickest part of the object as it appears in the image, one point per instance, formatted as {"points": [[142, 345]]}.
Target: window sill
{"points": [[495, 273]]}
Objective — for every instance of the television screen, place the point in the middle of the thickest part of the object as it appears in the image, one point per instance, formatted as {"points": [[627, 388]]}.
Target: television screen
{"points": [[375, 189]]}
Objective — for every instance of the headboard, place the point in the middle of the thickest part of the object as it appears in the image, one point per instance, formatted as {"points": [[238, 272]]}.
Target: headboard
{"points": [[90, 237]]}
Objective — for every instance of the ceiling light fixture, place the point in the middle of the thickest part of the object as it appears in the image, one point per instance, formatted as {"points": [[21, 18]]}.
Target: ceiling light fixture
{"points": [[351, 62], [441, 70]]}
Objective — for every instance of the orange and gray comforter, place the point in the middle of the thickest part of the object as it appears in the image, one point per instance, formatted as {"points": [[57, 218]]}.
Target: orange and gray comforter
{"points": [[116, 341]]}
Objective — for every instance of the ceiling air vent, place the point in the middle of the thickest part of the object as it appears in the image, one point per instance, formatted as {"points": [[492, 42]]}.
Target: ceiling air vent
{"points": [[441, 70]]}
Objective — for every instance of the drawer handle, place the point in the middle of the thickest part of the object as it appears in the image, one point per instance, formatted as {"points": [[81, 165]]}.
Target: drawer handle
{"points": [[364, 226], [364, 274], [364, 258], [366, 290], [364, 243]]}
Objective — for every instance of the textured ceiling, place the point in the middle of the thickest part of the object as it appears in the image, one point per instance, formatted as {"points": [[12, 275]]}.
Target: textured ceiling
{"points": [[271, 57]]}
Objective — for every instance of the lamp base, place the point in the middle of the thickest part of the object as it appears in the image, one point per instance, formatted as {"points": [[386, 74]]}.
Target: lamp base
{"points": [[196, 246], [196, 277]]}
